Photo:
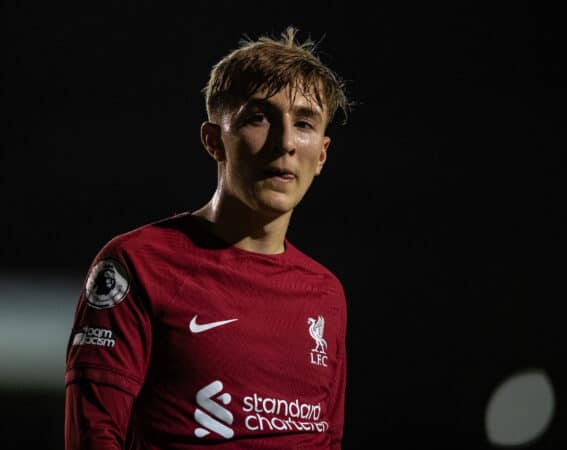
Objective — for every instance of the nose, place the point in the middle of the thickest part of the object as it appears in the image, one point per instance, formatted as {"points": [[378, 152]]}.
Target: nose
{"points": [[283, 135]]}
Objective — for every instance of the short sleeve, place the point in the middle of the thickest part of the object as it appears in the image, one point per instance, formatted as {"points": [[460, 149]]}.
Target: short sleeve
{"points": [[110, 342]]}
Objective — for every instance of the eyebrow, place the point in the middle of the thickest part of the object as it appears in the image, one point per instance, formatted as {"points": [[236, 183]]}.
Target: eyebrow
{"points": [[305, 111]]}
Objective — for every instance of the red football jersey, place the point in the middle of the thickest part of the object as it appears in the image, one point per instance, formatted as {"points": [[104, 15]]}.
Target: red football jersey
{"points": [[218, 345]]}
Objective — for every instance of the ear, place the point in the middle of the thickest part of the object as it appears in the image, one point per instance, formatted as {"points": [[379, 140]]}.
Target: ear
{"points": [[211, 140], [323, 155]]}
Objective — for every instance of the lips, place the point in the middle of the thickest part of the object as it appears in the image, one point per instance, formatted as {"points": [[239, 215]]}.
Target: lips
{"points": [[279, 172]]}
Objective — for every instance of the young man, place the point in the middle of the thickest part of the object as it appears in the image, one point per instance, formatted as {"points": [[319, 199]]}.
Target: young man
{"points": [[209, 328]]}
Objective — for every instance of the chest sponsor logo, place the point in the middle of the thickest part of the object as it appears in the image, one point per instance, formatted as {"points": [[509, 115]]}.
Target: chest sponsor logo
{"points": [[94, 336], [318, 355], [107, 284], [278, 414], [260, 413], [200, 327], [213, 416]]}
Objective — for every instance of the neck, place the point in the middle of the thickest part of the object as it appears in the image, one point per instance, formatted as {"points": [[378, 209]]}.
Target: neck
{"points": [[244, 228]]}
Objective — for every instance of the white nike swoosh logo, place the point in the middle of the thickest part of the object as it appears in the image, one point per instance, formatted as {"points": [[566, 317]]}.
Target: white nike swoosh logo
{"points": [[199, 328]]}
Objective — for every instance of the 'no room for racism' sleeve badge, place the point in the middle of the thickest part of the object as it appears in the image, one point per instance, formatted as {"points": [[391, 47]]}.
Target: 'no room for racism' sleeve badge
{"points": [[107, 284]]}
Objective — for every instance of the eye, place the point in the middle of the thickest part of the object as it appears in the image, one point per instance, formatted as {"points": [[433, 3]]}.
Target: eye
{"points": [[304, 124], [256, 118]]}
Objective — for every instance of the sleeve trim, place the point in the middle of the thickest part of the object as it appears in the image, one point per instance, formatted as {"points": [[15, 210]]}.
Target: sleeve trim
{"points": [[105, 377]]}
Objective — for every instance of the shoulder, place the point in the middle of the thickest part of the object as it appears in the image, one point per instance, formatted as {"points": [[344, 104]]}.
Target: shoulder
{"points": [[153, 250], [148, 255], [159, 236], [315, 268]]}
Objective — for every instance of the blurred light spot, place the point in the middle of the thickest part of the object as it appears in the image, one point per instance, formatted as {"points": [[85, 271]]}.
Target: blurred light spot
{"points": [[36, 316], [520, 409]]}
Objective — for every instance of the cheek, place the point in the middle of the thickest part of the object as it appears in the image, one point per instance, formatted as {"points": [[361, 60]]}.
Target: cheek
{"points": [[253, 140], [241, 155], [246, 141], [310, 142], [312, 154]]}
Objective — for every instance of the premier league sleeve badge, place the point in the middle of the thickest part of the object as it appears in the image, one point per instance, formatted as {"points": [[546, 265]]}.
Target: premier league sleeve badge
{"points": [[107, 284]]}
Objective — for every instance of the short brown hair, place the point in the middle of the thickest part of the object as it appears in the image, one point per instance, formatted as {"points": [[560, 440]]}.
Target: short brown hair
{"points": [[270, 65]]}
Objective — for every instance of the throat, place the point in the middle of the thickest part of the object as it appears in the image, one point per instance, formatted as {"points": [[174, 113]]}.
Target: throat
{"points": [[246, 231]]}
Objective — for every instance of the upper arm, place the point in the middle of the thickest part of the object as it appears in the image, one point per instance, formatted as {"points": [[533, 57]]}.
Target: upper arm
{"points": [[110, 343], [96, 416]]}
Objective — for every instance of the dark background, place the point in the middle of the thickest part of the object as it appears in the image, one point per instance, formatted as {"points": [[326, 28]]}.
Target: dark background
{"points": [[439, 207]]}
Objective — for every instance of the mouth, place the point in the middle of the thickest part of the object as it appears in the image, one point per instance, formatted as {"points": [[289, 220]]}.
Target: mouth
{"points": [[279, 174]]}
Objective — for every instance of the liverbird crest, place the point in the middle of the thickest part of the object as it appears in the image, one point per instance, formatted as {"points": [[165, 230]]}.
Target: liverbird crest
{"points": [[316, 330]]}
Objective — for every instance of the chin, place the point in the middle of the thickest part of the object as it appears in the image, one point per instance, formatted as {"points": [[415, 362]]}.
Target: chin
{"points": [[275, 204]]}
